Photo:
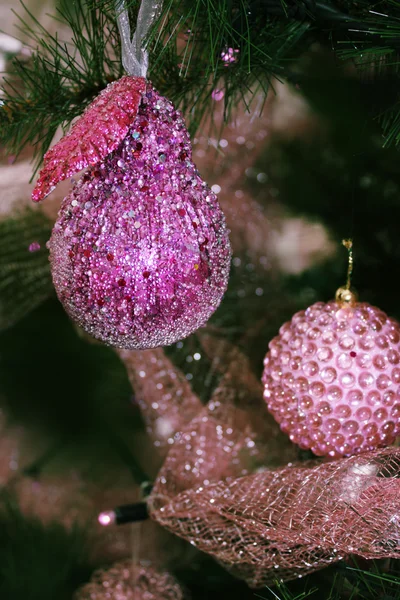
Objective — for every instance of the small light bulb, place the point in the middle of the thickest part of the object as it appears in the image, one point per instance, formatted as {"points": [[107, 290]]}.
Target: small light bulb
{"points": [[107, 518]]}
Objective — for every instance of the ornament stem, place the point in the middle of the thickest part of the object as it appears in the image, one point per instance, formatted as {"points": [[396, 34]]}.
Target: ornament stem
{"points": [[135, 59]]}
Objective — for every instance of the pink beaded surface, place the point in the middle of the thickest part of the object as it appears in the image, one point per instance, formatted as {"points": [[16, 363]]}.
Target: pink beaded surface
{"points": [[331, 379], [94, 135], [140, 253]]}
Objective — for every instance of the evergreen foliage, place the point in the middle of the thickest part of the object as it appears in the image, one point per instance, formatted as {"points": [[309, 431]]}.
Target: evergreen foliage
{"points": [[187, 45], [24, 277]]}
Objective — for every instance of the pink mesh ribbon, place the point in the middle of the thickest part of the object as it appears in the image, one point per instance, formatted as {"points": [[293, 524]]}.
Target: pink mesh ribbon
{"points": [[100, 129], [220, 487], [230, 437], [163, 394], [281, 524], [276, 523]]}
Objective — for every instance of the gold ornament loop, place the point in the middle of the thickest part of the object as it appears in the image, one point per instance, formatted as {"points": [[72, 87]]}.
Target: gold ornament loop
{"points": [[348, 244], [344, 295]]}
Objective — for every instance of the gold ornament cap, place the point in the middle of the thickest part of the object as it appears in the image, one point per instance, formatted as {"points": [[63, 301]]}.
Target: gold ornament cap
{"points": [[345, 296]]}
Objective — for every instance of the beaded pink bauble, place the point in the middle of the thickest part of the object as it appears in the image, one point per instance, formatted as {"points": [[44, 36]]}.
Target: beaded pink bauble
{"points": [[331, 378], [140, 253]]}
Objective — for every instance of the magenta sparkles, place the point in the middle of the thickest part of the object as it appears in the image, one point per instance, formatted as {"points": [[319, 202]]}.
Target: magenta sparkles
{"points": [[331, 379], [100, 129], [217, 95], [140, 253], [34, 247], [229, 55]]}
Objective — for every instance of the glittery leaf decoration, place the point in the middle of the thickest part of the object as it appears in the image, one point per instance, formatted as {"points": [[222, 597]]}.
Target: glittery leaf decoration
{"points": [[98, 132]]}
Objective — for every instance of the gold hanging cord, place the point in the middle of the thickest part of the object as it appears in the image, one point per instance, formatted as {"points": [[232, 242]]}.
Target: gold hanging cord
{"points": [[344, 295]]}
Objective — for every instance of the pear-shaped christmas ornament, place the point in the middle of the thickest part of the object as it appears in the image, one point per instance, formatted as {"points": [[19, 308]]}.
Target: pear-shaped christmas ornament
{"points": [[140, 253]]}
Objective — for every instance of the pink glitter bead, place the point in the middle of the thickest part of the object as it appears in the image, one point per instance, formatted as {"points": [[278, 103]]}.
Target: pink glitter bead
{"points": [[340, 367], [217, 95], [34, 247], [229, 55], [140, 253]]}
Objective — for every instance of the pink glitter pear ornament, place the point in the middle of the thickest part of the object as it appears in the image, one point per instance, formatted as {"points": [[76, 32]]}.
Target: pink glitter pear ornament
{"points": [[331, 377], [140, 253]]}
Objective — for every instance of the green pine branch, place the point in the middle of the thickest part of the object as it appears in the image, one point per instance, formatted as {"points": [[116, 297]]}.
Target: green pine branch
{"points": [[25, 280], [192, 57], [53, 87], [196, 47]]}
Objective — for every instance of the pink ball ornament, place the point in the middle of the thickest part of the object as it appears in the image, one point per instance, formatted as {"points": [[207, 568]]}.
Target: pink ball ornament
{"points": [[331, 378], [140, 253], [127, 581]]}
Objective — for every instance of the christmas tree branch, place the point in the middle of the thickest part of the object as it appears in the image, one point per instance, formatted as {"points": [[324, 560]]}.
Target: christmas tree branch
{"points": [[25, 280], [196, 47], [51, 88]]}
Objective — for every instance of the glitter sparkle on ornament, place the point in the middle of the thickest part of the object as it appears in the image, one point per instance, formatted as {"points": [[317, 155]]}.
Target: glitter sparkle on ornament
{"points": [[331, 379], [34, 247], [229, 56], [140, 253]]}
